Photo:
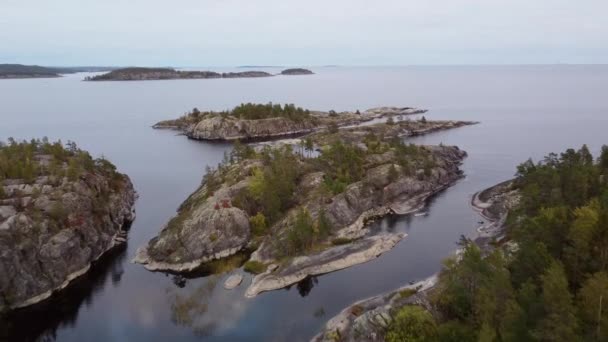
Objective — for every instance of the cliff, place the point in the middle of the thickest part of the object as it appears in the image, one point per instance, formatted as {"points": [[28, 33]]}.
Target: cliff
{"points": [[60, 211]]}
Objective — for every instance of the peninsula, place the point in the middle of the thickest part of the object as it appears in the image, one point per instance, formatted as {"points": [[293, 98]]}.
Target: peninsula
{"points": [[535, 272], [299, 207], [60, 210]]}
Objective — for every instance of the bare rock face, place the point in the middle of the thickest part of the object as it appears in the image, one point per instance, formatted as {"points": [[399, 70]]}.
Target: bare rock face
{"points": [[51, 233], [209, 231], [230, 128]]}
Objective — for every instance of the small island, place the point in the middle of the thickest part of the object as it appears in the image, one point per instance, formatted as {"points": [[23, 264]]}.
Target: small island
{"points": [[259, 122], [300, 207], [296, 71], [149, 74], [60, 210]]}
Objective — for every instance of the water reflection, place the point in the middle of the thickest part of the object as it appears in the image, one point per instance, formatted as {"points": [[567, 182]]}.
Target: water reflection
{"points": [[204, 306], [40, 322], [305, 286]]}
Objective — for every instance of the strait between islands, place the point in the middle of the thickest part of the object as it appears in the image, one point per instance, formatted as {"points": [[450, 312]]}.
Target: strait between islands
{"points": [[295, 208]]}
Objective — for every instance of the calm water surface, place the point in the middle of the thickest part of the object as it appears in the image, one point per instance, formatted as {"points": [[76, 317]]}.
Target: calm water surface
{"points": [[525, 111]]}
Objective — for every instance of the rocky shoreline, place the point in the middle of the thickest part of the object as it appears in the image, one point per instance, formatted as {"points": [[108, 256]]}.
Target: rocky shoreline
{"points": [[369, 318], [55, 226], [212, 126], [330, 260]]}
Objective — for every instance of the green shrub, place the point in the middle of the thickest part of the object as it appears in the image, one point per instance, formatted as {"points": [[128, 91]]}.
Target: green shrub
{"points": [[258, 224], [58, 212], [340, 241], [255, 267], [407, 293], [412, 323]]}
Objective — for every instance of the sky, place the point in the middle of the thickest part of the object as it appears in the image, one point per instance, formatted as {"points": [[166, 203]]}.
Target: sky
{"points": [[302, 33]]}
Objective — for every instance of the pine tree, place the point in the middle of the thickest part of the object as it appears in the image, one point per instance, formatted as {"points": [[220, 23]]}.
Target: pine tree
{"points": [[559, 322], [593, 306]]}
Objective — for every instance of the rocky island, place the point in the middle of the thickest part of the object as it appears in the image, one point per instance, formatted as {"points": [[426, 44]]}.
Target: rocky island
{"points": [[60, 210], [296, 71], [258, 122], [300, 207], [148, 74]]}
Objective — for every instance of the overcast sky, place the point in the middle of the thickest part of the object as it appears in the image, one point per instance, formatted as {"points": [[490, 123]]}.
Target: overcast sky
{"points": [[310, 32]]}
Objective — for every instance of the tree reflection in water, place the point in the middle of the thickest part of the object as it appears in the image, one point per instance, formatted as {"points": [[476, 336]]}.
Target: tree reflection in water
{"points": [[305, 286]]}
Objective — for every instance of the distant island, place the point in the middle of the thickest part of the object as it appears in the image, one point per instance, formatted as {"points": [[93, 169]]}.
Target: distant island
{"points": [[26, 71], [145, 74], [296, 71], [35, 71], [149, 74]]}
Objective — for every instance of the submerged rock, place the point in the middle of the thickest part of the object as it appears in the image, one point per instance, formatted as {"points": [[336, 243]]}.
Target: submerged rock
{"points": [[233, 281]]}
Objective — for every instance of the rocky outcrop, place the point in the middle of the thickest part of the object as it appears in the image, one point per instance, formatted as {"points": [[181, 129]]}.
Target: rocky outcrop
{"points": [[368, 319], [207, 228], [147, 74], [53, 229], [296, 71], [230, 128], [330, 260]]}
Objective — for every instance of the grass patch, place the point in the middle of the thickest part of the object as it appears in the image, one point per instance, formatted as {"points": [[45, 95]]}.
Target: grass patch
{"points": [[340, 241], [255, 267], [223, 265], [407, 293]]}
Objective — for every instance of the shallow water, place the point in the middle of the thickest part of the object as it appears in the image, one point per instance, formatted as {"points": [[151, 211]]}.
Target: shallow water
{"points": [[525, 111]]}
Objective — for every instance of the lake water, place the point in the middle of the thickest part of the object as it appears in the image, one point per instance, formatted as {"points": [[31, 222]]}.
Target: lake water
{"points": [[525, 111]]}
